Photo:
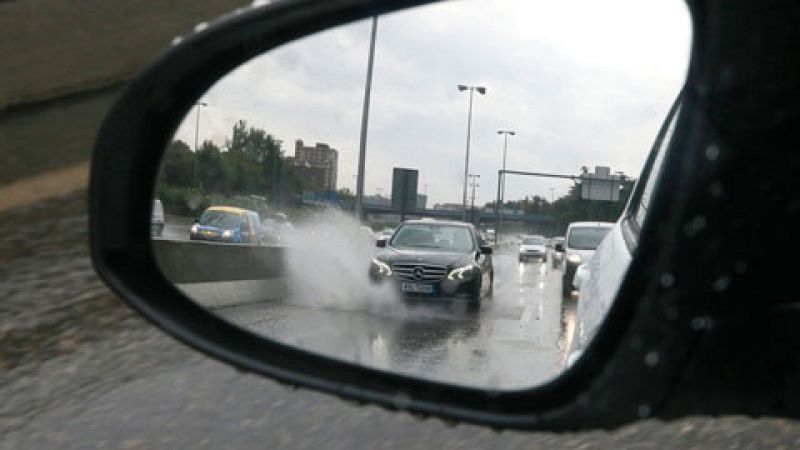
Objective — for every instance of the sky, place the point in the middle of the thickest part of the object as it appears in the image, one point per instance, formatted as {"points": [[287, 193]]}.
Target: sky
{"points": [[581, 82]]}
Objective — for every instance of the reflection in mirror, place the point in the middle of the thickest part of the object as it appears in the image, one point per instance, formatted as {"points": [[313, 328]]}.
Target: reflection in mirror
{"points": [[260, 215]]}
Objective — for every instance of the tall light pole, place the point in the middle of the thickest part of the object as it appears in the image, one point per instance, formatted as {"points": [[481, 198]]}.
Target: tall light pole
{"points": [[473, 184], [196, 140], [362, 149], [481, 90], [501, 182]]}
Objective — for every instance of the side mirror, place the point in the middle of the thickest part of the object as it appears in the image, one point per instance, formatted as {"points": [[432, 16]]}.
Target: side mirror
{"points": [[363, 334], [559, 247]]}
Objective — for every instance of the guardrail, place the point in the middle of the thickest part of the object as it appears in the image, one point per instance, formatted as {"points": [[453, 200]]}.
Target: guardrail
{"points": [[219, 275]]}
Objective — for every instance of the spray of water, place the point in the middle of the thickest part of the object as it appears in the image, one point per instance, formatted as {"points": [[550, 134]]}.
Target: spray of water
{"points": [[328, 259]]}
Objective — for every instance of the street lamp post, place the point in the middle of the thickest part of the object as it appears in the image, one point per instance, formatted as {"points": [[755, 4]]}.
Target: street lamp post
{"points": [[473, 184], [362, 149], [196, 140], [481, 90], [501, 182]]}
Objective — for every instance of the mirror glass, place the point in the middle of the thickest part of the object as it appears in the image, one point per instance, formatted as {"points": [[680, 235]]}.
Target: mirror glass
{"points": [[262, 216]]}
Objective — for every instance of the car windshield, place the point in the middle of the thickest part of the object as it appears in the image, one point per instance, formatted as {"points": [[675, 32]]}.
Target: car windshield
{"points": [[441, 237], [220, 219], [533, 241], [586, 238]]}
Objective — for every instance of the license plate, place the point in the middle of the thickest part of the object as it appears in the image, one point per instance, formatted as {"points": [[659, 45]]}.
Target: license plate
{"points": [[417, 288]]}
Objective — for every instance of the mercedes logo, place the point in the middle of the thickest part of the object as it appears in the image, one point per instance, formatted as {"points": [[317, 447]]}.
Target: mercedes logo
{"points": [[419, 273]]}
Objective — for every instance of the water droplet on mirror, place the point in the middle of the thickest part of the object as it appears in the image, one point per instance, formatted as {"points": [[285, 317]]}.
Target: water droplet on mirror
{"points": [[651, 359], [644, 411], [712, 152], [699, 222], [667, 280], [200, 27], [702, 323], [721, 283], [177, 40]]}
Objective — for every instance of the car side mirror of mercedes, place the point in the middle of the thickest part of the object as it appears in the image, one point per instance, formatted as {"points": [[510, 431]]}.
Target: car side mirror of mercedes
{"points": [[241, 114]]}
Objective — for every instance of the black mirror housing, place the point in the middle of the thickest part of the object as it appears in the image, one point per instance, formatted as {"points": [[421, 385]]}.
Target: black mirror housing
{"points": [[656, 355], [380, 243], [486, 250]]}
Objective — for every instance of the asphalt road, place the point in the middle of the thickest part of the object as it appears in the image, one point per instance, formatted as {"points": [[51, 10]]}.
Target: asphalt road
{"points": [[79, 370], [515, 340]]}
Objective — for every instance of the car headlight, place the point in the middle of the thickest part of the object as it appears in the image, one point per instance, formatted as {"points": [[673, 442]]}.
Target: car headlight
{"points": [[227, 234], [461, 273], [381, 267], [193, 230], [574, 259]]}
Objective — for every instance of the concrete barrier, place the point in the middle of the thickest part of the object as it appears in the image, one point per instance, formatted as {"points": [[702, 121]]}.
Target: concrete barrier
{"points": [[218, 275]]}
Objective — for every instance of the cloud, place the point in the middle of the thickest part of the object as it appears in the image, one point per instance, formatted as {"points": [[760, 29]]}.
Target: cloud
{"points": [[582, 82]]}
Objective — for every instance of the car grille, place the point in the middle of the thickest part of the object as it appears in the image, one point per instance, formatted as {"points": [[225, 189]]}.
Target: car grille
{"points": [[429, 272]]}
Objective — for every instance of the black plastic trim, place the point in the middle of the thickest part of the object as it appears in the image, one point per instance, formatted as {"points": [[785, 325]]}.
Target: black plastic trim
{"points": [[608, 387]]}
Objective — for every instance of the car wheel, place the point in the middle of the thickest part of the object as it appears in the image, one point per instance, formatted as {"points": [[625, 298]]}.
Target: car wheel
{"points": [[566, 290], [474, 301]]}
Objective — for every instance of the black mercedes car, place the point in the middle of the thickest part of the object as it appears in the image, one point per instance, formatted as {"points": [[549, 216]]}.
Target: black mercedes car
{"points": [[431, 258]]}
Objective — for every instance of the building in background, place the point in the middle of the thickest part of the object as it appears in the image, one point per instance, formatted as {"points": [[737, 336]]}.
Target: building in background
{"points": [[448, 206], [422, 201], [318, 164], [377, 200]]}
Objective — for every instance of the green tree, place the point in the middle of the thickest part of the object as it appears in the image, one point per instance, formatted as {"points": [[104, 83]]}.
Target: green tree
{"points": [[177, 166], [209, 168], [262, 149]]}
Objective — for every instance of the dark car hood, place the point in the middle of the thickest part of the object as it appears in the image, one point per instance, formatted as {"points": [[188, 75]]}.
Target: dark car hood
{"points": [[449, 259]]}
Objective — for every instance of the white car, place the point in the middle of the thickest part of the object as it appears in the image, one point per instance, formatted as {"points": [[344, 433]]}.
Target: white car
{"points": [[532, 247], [385, 234], [580, 242], [601, 276], [581, 275], [157, 219]]}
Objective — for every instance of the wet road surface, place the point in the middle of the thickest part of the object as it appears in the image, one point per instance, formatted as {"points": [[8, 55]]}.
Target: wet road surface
{"points": [[515, 340], [79, 370]]}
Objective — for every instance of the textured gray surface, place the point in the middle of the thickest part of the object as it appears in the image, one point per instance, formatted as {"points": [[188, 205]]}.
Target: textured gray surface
{"points": [[64, 63]]}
